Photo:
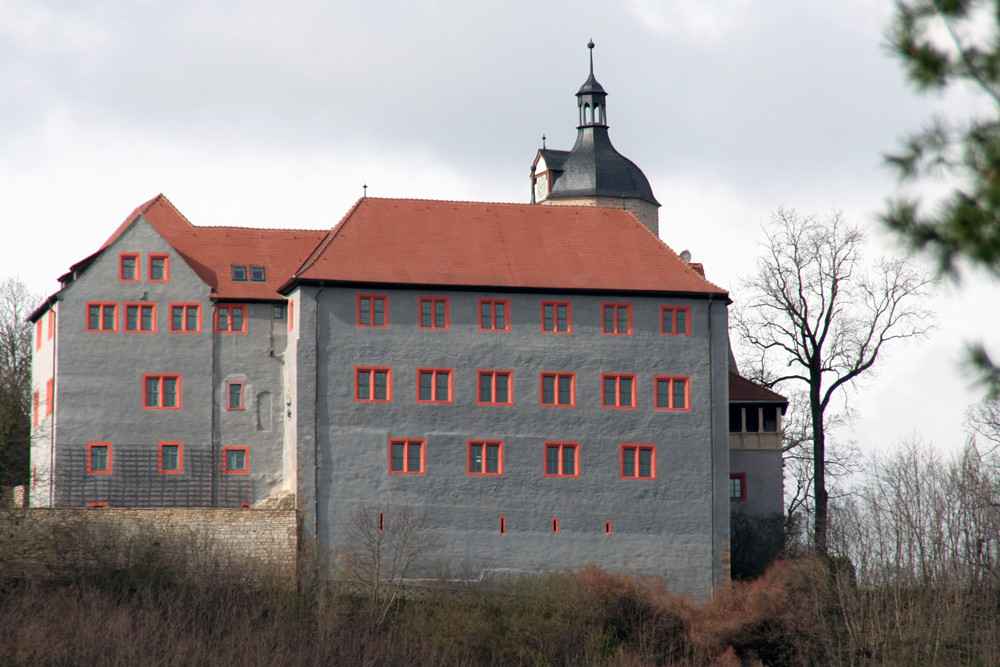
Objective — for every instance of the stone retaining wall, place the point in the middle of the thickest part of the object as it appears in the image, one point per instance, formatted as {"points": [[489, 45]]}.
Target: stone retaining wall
{"points": [[260, 544]]}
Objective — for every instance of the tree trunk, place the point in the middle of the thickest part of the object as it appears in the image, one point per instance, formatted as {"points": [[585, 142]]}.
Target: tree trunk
{"points": [[819, 467]]}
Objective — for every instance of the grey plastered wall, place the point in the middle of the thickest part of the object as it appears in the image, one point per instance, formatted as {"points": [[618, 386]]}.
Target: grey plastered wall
{"points": [[764, 491], [674, 526], [255, 358], [99, 384]]}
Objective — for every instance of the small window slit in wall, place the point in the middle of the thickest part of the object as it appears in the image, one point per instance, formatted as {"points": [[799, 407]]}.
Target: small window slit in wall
{"points": [[607, 527], [503, 525], [245, 506], [555, 525], [381, 522]]}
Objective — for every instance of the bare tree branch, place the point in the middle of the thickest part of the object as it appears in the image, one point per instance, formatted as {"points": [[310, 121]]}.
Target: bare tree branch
{"points": [[816, 310]]}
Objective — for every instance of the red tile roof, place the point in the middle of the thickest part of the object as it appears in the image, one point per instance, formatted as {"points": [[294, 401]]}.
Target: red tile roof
{"points": [[211, 251], [742, 389], [411, 241]]}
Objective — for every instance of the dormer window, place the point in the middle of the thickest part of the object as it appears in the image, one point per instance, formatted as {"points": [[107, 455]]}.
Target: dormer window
{"points": [[257, 274], [239, 273]]}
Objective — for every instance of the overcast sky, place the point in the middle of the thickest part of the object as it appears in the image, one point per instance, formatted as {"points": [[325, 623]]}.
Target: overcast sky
{"points": [[262, 113]]}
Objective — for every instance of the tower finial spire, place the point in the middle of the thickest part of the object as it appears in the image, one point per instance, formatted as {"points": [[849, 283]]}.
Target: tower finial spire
{"points": [[590, 45]]}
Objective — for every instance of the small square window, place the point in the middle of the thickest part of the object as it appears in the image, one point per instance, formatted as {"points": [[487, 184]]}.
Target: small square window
{"points": [[617, 320], [373, 310], [102, 317], [185, 318], [557, 317], [675, 321], [234, 396], [434, 385], [562, 459], [159, 268], [161, 392], [485, 458], [617, 390], [494, 314], [558, 390], [257, 274], [99, 458], [406, 457], [495, 388], [171, 458], [672, 393], [737, 486], [434, 312], [373, 384], [140, 317], [638, 461], [279, 312], [235, 460], [128, 267], [239, 273], [231, 318]]}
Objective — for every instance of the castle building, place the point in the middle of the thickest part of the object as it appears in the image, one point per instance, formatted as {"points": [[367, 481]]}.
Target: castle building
{"points": [[546, 384]]}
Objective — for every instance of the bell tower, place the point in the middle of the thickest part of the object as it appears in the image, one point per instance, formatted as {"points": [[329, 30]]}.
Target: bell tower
{"points": [[593, 173]]}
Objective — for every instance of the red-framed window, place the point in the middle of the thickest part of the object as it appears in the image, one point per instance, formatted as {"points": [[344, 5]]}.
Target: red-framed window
{"points": [[407, 457], [161, 392], [231, 318], [235, 395], [51, 324], [485, 458], [638, 461], [495, 388], [291, 305], [607, 527], [673, 392], [503, 525], [36, 399], [557, 390], [373, 310], [675, 320], [235, 460], [381, 522], [618, 390], [50, 392], [99, 458], [102, 316], [737, 486], [185, 318], [159, 268], [557, 317], [555, 525], [170, 458], [373, 384], [128, 267], [435, 385], [562, 459], [38, 334], [435, 312], [616, 319], [494, 314], [98, 505], [140, 318]]}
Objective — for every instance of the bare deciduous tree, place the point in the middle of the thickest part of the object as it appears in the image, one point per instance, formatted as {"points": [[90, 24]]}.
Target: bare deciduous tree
{"points": [[15, 380], [384, 548], [813, 314]]}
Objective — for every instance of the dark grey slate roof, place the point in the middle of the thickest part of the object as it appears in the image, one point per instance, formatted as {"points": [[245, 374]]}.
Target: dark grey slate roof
{"points": [[553, 159], [594, 168], [591, 86]]}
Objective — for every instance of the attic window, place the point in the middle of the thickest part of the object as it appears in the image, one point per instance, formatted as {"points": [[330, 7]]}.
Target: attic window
{"points": [[257, 274], [239, 273]]}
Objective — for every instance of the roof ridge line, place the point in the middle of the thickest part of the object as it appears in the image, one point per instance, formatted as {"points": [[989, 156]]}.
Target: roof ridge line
{"points": [[326, 240]]}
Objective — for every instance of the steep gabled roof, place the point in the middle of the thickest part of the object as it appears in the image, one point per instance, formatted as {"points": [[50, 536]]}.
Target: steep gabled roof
{"points": [[211, 251], [747, 391], [424, 242]]}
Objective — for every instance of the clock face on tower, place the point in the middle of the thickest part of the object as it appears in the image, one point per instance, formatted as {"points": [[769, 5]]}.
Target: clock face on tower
{"points": [[541, 187]]}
